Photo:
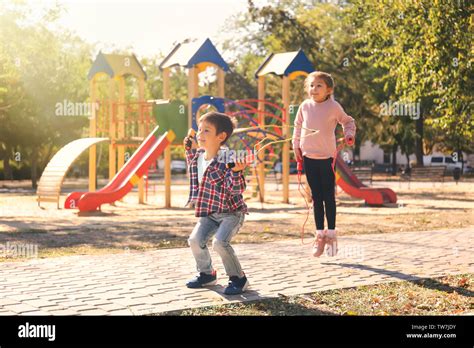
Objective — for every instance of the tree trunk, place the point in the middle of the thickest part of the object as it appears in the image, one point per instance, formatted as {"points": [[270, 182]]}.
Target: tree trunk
{"points": [[47, 158], [419, 141], [460, 158], [394, 159], [7, 169], [357, 145], [34, 168]]}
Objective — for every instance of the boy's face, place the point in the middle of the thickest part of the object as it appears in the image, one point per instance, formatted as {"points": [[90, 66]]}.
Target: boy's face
{"points": [[318, 90], [207, 136]]}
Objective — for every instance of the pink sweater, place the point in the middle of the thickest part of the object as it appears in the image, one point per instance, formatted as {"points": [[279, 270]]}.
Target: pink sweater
{"points": [[322, 116]]}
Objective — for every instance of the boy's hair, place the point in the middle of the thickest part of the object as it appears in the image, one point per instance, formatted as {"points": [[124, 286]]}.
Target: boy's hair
{"points": [[222, 122], [327, 78]]}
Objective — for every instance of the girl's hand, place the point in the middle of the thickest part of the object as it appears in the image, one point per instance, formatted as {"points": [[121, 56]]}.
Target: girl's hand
{"points": [[239, 166], [298, 154], [349, 140]]}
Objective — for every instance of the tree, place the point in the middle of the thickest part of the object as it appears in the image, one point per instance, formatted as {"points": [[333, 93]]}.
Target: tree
{"points": [[46, 68], [418, 45], [325, 33]]}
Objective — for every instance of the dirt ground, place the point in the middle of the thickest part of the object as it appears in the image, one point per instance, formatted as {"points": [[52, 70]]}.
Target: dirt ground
{"points": [[130, 226]]}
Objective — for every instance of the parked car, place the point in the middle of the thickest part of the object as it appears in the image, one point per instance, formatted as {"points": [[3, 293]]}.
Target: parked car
{"points": [[469, 170], [448, 162], [178, 167]]}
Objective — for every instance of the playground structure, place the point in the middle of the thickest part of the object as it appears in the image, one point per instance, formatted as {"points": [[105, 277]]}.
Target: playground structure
{"points": [[125, 122], [129, 175], [288, 66], [249, 135], [49, 187], [122, 121], [196, 57], [346, 180]]}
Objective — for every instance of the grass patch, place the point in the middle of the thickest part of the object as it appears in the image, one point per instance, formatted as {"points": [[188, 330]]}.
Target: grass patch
{"points": [[448, 295]]}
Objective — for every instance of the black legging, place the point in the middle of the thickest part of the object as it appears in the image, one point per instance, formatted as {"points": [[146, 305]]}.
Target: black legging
{"points": [[321, 180]]}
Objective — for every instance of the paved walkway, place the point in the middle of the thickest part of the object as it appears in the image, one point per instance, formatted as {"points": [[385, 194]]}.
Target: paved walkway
{"points": [[139, 283]]}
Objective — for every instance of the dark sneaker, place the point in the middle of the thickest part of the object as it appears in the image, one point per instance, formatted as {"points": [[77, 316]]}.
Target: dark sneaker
{"points": [[202, 279], [236, 285]]}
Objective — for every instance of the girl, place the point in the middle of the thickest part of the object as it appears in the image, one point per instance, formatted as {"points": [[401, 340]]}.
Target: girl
{"points": [[321, 112]]}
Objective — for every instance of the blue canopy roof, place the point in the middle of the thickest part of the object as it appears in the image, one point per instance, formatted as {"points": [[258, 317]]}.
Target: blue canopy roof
{"points": [[116, 65], [189, 54], [286, 64]]}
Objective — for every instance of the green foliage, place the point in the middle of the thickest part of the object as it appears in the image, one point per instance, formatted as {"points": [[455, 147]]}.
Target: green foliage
{"points": [[325, 34], [40, 68], [422, 50], [377, 52]]}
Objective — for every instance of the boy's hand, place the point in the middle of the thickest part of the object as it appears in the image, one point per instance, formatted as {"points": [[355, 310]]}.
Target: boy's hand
{"points": [[189, 143], [239, 166], [298, 154]]}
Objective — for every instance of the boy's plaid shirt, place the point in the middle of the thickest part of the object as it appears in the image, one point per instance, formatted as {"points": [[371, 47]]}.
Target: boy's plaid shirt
{"points": [[220, 190]]}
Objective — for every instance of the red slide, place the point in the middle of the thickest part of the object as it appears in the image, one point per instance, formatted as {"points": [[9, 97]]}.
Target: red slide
{"points": [[354, 187], [126, 178]]}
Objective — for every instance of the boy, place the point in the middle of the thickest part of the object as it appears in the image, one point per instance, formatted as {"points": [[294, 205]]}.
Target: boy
{"points": [[216, 194]]}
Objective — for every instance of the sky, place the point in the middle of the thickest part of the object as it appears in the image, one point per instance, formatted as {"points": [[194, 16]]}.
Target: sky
{"points": [[146, 26]]}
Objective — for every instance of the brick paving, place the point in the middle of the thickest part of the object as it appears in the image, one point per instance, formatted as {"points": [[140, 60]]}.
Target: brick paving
{"points": [[141, 283]]}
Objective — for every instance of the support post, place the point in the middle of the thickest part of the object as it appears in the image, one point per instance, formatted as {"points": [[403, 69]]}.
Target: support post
{"points": [[121, 122], [112, 131], [261, 122], [92, 134], [220, 82], [141, 134], [286, 146], [192, 92], [167, 152]]}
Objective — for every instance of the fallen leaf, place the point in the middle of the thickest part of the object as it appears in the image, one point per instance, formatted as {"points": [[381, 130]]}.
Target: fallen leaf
{"points": [[463, 282]]}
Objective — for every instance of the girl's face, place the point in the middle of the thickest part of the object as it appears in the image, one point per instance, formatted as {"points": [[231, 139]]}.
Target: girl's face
{"points": [[318, 90]]}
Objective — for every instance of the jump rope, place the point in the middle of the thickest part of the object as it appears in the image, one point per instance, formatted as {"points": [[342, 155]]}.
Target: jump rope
{"points": [[299, 164]]}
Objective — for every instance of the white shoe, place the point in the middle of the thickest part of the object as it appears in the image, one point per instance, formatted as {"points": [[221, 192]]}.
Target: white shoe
{"points": [[331, 243], [319, 243]]}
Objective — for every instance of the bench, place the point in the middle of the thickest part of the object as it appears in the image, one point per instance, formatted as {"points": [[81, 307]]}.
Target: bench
{"points": [[428, 174], [363, 173]]}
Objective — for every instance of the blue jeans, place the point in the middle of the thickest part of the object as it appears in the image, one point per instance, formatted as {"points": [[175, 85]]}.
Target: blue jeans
{"points": [[224, 226]]}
